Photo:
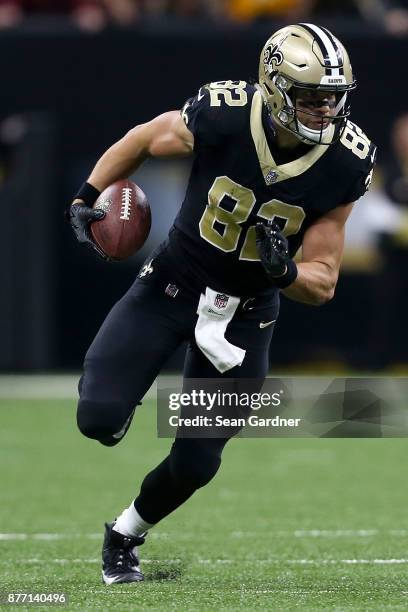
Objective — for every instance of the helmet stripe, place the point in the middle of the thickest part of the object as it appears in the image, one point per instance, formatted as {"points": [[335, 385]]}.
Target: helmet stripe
{"points": [[326, 46], [339, 50]]}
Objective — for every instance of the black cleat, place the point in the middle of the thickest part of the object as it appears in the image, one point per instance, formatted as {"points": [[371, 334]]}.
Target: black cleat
{"points": [[119, 557]]}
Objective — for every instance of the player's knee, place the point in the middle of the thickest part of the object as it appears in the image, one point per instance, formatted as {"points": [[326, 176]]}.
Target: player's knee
{"points": [[101, 420], [194, 469]]}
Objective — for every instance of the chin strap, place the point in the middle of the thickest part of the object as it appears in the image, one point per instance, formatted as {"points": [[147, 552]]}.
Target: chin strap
{"points": [[317, 136]]}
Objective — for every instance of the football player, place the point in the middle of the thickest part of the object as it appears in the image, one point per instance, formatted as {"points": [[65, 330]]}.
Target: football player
{"points": [[277, 166]]}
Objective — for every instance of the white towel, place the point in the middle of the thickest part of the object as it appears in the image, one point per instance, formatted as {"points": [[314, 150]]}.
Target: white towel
{"points": [[215, 310]]}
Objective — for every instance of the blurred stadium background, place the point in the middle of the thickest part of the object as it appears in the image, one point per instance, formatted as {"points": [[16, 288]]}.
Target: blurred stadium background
{"points": [[75, 75]]}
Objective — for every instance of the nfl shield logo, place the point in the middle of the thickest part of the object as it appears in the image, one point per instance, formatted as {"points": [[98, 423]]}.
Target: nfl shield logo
{"points": [[171, 290], [271, 177], [221, 300]]}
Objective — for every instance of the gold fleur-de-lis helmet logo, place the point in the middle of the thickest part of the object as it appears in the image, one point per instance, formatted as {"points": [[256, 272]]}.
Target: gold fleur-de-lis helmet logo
{"points": [[273, 57]]}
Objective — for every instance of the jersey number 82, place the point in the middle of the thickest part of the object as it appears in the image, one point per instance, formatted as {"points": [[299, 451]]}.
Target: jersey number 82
{"points": [[229, 221]]}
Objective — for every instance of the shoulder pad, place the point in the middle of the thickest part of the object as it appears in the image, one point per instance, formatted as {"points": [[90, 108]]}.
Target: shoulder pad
{"points": [[219, 109], [356, 141], [359, 156]]}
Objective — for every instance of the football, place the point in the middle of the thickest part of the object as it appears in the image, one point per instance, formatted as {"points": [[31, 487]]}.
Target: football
{"points": [[126, 225]]}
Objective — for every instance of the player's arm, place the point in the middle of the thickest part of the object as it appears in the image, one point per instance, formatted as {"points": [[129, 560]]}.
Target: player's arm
{"points": [[164, 136], [312, 281], [322, 251]]}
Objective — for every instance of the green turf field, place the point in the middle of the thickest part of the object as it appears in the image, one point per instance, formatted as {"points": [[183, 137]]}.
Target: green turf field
{"points": [[287, 524]]}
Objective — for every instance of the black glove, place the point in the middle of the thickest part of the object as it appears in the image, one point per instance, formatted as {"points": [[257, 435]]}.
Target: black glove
{"points": [[273, 251], [80, 218]]}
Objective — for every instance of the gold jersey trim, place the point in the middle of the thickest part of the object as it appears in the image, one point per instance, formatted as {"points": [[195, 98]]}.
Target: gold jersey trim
{"points": [[266, 161]]}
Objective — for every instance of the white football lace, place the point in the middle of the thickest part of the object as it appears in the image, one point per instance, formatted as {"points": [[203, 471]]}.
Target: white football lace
{"points": [[126, 204]]}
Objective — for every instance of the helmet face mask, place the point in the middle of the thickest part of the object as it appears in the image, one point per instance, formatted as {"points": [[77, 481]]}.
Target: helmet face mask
{"points": [[305, 77]]}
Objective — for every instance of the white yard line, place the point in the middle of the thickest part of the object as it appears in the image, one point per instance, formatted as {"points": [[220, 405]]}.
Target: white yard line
{"points": [[306, 561], [69, 536], [282, 561], [312, 533], [35, 560], [319, 533]]}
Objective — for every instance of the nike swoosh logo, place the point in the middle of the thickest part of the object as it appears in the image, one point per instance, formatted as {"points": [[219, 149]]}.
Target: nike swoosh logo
{"points": [[266, 323], [122, 432], [211, 311]]}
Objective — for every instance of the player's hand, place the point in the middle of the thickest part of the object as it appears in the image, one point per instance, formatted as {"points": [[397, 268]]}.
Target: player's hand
{"points": [[80, 218], [272, 248]]}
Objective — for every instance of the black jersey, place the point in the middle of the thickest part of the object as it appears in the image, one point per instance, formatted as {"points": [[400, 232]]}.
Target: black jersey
{"points": [[235, 182]]}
